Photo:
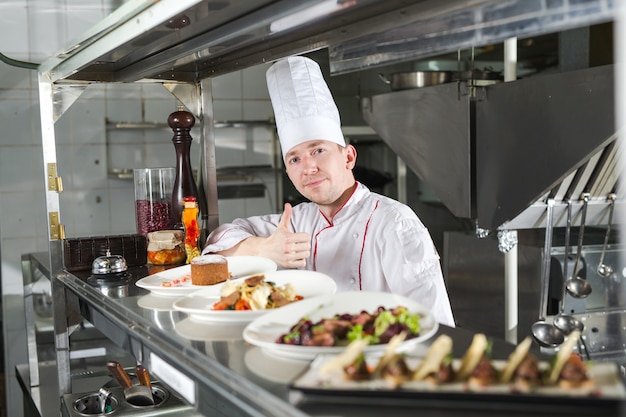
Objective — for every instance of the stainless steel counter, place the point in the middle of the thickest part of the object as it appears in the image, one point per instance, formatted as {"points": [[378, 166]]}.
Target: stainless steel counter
{"points": [[211, 367]]}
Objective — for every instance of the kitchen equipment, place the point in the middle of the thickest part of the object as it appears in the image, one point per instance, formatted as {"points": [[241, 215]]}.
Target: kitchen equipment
{"points": [[139, 395], [109, 264], [576, 286], [88, 404], [567, 323], [110, 275], [153, 199], [104, 400], [181, 123], [101, 403], [479, 76], [564, 322], [478, 129], [143, 377], [604, 270], [544, 333], [79, 253], [417, 79]]}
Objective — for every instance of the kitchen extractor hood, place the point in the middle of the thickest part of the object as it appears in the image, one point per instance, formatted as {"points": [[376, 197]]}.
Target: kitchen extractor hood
{"points": [[182, 43], [494, 153], [190, 40]]}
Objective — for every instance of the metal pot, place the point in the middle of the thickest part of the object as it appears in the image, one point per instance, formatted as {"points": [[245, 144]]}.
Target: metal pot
{"points": [[484, 75], [417, 79]]}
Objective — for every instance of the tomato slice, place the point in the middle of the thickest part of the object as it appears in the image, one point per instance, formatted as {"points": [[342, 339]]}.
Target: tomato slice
{"points": [[242, 305], [221, 305]]}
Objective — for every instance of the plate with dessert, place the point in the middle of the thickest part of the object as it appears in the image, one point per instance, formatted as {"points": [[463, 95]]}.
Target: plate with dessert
{"points": [[204, 271], [326, 325], [242, 300]]}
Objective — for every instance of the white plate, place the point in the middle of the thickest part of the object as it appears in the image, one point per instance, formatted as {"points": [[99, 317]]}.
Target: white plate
{"points": [[308, 284], [271, 368], [238, 266], [265, 330], [198, 330], [155, 302]]}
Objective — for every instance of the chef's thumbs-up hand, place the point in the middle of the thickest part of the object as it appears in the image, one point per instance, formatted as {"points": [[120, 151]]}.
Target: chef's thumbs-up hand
{"points": [[287, 248]]}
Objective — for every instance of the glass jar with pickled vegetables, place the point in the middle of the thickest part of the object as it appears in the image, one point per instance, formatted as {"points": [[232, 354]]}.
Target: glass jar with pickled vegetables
{"points": [[192, 230], [166, 247]]}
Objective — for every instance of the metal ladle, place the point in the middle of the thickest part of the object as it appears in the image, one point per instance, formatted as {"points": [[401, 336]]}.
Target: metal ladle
{"points": [[544, 333], [575, 285], [605, 270], [564, 322]]}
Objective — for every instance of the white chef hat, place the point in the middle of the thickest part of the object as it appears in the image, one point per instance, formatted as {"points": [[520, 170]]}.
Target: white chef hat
{"points": [[303, 106]]}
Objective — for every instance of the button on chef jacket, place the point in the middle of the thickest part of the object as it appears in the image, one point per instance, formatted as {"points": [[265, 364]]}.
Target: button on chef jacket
{"points": [[373, 243]]}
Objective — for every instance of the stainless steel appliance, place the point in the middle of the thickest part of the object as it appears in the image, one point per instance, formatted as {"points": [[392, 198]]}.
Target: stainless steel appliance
{"points": [[501, 151]]}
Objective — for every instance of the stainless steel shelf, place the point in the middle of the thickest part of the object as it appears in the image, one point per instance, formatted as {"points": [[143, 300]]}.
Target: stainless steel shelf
{"points": [[211, 387], [224, 375]]}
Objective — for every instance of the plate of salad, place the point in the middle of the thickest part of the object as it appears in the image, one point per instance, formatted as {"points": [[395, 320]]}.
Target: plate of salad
{"points": [[327, 324]]}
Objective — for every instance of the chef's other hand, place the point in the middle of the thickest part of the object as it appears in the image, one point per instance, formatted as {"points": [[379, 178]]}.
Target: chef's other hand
{"points": [[288, 249]]}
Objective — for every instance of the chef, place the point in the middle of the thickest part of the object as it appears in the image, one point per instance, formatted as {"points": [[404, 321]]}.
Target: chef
{"points": [[363, 240]]}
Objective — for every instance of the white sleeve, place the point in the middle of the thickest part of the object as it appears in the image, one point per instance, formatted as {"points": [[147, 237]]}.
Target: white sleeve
{"points": [[228, 235], [412, 268]]}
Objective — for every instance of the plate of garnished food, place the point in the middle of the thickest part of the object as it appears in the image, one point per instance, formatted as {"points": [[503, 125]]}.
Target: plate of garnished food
{"points": [[245, 299], [563, 381], [203, 271], [328, 324]]}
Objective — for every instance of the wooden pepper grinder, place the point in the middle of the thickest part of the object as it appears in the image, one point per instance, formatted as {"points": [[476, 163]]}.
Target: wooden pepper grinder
{"points": [[181, 123]]}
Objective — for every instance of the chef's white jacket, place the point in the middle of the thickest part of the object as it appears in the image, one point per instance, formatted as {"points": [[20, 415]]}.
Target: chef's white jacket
{"points": [[373, 243]]}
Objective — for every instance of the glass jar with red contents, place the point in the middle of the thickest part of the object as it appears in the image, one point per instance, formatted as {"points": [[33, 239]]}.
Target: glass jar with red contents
{"points": [[153, 199], [192, 230]]}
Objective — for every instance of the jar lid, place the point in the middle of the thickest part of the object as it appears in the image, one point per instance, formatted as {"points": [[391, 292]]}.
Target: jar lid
{"points": [[166, 236], [165, 239]]}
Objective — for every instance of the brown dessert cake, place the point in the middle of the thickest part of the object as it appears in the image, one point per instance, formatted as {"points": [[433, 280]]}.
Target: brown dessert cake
{"points": [[209, 269]]}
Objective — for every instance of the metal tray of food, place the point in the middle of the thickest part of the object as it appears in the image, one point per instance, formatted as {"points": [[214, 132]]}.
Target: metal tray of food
{"points": [[605, 394]]}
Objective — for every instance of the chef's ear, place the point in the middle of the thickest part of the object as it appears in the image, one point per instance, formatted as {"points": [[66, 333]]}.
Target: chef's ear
{"points": [[350, 156]]}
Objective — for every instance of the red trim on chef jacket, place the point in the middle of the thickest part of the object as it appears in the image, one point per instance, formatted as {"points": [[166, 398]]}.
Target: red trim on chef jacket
{"points": [[367, 225], [315, 250], [330, 224]]}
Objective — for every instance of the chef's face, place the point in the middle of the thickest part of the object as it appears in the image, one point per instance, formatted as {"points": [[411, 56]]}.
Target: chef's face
{"points": [[322, 171]]}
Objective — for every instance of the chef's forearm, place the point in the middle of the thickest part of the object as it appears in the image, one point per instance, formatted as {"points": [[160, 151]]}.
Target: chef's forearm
{"points": [[225, 239], [250, 246]]}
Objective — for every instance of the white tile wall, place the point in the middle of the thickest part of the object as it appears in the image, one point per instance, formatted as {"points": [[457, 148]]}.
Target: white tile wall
{"points": [[14, 28], [228, 87], [47, 29], [14, 82], [17, 120], [94, 202], [19, 169]]}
